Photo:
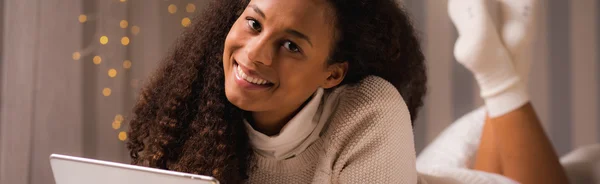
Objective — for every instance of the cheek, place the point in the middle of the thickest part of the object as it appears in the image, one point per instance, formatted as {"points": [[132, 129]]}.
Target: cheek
{"points": [[234, 38], [302, 78]]}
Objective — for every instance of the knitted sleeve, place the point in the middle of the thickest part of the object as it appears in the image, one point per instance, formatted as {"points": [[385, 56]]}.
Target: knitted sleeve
{"points": [[373, 133]]}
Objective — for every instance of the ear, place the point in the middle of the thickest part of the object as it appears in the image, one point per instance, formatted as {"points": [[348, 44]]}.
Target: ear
{"points": [[337, 72]]}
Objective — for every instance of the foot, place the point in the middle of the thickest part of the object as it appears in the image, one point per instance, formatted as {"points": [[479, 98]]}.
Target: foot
{"points": [[518, 27], [480, 49]]}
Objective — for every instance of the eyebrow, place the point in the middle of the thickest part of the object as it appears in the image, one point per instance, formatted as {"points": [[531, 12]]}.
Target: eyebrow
{"points": [[290, 31], [257, 10]]}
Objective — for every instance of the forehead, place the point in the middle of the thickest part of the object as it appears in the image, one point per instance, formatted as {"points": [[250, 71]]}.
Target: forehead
{"points": [[311, 17]]}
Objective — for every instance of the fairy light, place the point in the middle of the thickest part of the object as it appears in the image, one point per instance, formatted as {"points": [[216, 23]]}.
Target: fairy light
{"points": [[135, 30], [127, 64], [123, 24], [122, 136], [106, 92], [172, 9], [116, 125], [190, 8], [112, 73], [97, 60], [104, 40], [125, 40], [185, 22], [82, 18], [76, 56], [119, 118]]}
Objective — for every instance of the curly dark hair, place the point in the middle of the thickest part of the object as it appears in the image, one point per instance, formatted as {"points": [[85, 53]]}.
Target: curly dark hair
{"points": [[184, 122]]}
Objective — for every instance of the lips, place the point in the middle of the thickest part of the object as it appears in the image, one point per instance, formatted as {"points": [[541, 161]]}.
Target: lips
{"points": [[247, 77]]}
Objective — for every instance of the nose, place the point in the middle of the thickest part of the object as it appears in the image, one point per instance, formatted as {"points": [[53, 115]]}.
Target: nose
{"points": [[259, 51]]}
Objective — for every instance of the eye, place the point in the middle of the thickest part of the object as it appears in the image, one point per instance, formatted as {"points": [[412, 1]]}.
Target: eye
{"points": [[254, 24], [291, 46]]}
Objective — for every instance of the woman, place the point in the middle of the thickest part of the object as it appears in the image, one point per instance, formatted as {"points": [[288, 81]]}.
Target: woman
{"points": [[269, 91]]}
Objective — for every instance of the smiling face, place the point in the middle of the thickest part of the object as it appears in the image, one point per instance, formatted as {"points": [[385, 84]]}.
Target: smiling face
{"points": [[275, 56]]}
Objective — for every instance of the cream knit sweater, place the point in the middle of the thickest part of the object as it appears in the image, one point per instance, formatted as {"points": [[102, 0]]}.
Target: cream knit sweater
{"points": [[368, 139]]}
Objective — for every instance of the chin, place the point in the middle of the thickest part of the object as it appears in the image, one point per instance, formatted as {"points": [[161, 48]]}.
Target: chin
{"points": [[238, 99]]}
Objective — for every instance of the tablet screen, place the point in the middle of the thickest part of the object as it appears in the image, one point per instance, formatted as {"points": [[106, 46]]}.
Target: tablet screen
{"points": [[76, 170]]}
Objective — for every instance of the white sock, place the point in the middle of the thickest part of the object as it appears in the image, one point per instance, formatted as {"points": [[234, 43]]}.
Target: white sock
{"points": [[518, 26], [480, 49]]}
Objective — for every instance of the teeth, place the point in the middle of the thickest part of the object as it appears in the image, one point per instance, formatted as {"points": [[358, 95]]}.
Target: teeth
{"points": [[250, 79]]}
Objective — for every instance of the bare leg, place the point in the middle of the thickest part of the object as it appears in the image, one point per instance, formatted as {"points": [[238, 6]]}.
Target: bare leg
{"points": [[525, 152], [488, 158]]}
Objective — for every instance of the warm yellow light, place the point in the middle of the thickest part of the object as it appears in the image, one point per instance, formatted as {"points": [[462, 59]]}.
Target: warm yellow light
{"points": [[185, 22], [123, 24], [119, 118], [112, 73], [190, 8], [76, 56], [103, 40], [172, 9], [135, 30], [122, 136], [116, 125], [82, 18], [106, 91], [125, 40], [126, 64], [123, 0], [97, 60]]}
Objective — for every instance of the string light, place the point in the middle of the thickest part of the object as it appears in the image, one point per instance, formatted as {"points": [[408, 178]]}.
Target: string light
{"points": [[190, 8], [112, 73], [106, 92], [172, 9], [116, 125], [122, 136], [97, 60], [119, 118], [126, 64], [125, 41], [123, 24], [135, 30], [82, 18], [76, 56], [103, 40], [185, 22]]}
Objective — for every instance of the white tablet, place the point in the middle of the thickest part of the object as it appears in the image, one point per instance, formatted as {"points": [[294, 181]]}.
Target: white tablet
{"points": [[75, 170]]}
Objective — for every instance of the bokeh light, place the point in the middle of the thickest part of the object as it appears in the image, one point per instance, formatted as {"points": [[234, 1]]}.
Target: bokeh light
{"points": [[82, 18], [116, 125], [76, 56], [172, 9], [125, 40], [97, 60], [112, 73], [127, 64], [190, 8], [122, 136], [123, 24], [185, 22], [104, 40], [106, 92], [135, 30]]}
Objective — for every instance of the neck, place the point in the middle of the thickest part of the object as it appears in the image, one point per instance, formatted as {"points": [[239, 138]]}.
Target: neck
{"points": [[271, 122]]}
